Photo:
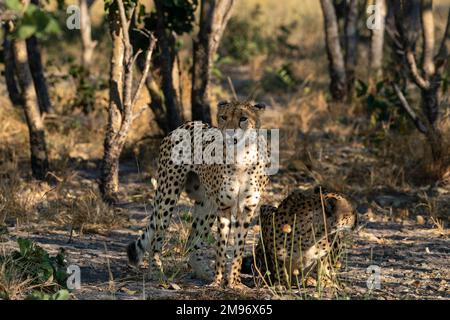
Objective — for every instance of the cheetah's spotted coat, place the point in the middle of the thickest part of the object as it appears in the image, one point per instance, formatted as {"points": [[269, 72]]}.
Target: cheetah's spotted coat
{"points": [[293, 237], [220, 191]]}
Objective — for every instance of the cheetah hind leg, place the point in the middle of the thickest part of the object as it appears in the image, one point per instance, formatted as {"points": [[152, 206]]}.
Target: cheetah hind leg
{"points": [[204, 217]]}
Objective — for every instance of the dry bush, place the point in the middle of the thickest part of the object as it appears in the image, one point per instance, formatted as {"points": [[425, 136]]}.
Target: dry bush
{"points": [[19, 199], [81, 210]]}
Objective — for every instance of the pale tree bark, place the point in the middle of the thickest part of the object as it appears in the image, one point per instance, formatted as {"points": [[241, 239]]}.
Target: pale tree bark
{"points": [[428, 38], [338, 84], [351, 44], [377, 41], [122, 102], [8, 57], [38, 148], [88, 45], [166, 63], [214, 15], [428, 77]]}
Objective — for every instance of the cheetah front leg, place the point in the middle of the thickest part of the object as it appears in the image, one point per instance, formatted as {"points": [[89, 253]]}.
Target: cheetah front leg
{"points": [[224, 217], [240, 233]]}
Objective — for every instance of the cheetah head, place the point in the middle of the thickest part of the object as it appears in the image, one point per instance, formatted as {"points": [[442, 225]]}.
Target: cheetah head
{"points": [[340, 212], [239, 115]]}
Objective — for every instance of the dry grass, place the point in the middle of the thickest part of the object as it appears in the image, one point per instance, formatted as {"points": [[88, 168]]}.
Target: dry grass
{"points": [[313, 132]]}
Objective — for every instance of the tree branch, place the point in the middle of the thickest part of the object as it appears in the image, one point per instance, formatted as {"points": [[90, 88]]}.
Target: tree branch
{"points": [[443, 52], [148, 58], [412, 66], [404, 103]]}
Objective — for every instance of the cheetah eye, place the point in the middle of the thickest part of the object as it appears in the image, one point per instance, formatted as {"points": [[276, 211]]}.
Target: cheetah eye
{"points": [[243, 119], [224, 118]]}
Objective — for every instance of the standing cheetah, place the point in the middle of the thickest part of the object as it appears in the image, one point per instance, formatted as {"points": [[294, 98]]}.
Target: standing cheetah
{"points": [[222, 189], [294, 237]]}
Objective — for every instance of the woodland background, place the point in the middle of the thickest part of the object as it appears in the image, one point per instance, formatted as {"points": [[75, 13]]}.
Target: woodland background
{"points": [[362, 111]]}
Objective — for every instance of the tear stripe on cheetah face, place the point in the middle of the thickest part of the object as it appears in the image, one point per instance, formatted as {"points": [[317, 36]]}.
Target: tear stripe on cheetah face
{"points": [[232, 189], [279, 234]]}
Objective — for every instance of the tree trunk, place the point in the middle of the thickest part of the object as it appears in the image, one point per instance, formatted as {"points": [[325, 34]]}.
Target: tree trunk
{"points": [[8, 57], [166, 57], [37, 71], [109, 184], [428, 37], [377, 41], [157, 104], [338, 84], [410, 17], [351, 44], [38, 148], [430, 100], [88, 45], [214, 16], [121, 99]]}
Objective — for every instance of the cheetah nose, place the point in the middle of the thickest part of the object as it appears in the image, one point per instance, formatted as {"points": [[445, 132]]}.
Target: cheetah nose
{"points": [[235, 141]]}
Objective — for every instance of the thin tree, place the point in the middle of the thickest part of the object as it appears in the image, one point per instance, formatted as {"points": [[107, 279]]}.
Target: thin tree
{"points": [[37, 71], [88, 45], [377, 39], [156, 96], [38, 148], [338, 79], [122, 100], [166, 64], [351, 43], [411, 18], [8, 58], [214, 15]]}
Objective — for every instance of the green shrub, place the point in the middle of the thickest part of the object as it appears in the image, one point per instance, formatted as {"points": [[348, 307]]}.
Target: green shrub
{"points": [[43, 275], [279, 79], [243, 39], [383, 108]]}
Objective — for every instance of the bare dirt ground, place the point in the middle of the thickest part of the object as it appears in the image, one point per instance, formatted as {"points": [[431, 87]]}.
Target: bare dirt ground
{"points": [[396, 235]]}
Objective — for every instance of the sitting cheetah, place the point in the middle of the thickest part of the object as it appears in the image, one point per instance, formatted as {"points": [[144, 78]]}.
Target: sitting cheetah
{"points": [[220, 189], [294, 237]]}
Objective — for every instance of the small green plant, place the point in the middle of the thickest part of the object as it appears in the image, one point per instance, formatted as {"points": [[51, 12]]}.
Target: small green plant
{"points": [[33, 271], [86, 88], [33, 21], [279, 79], [383, 108], [242, 39]]}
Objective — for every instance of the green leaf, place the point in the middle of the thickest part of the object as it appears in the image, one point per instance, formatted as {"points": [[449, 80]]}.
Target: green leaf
{"points": [[25, 246], [13, 5], [361, 88], [37, 295], [52, 27], [26, 30], [61, 295], [379, 86], [41, 19]]}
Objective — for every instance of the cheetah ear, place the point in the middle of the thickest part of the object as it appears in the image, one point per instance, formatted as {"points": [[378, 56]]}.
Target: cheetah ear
{"points": [[260, 106], [222, 104]]}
